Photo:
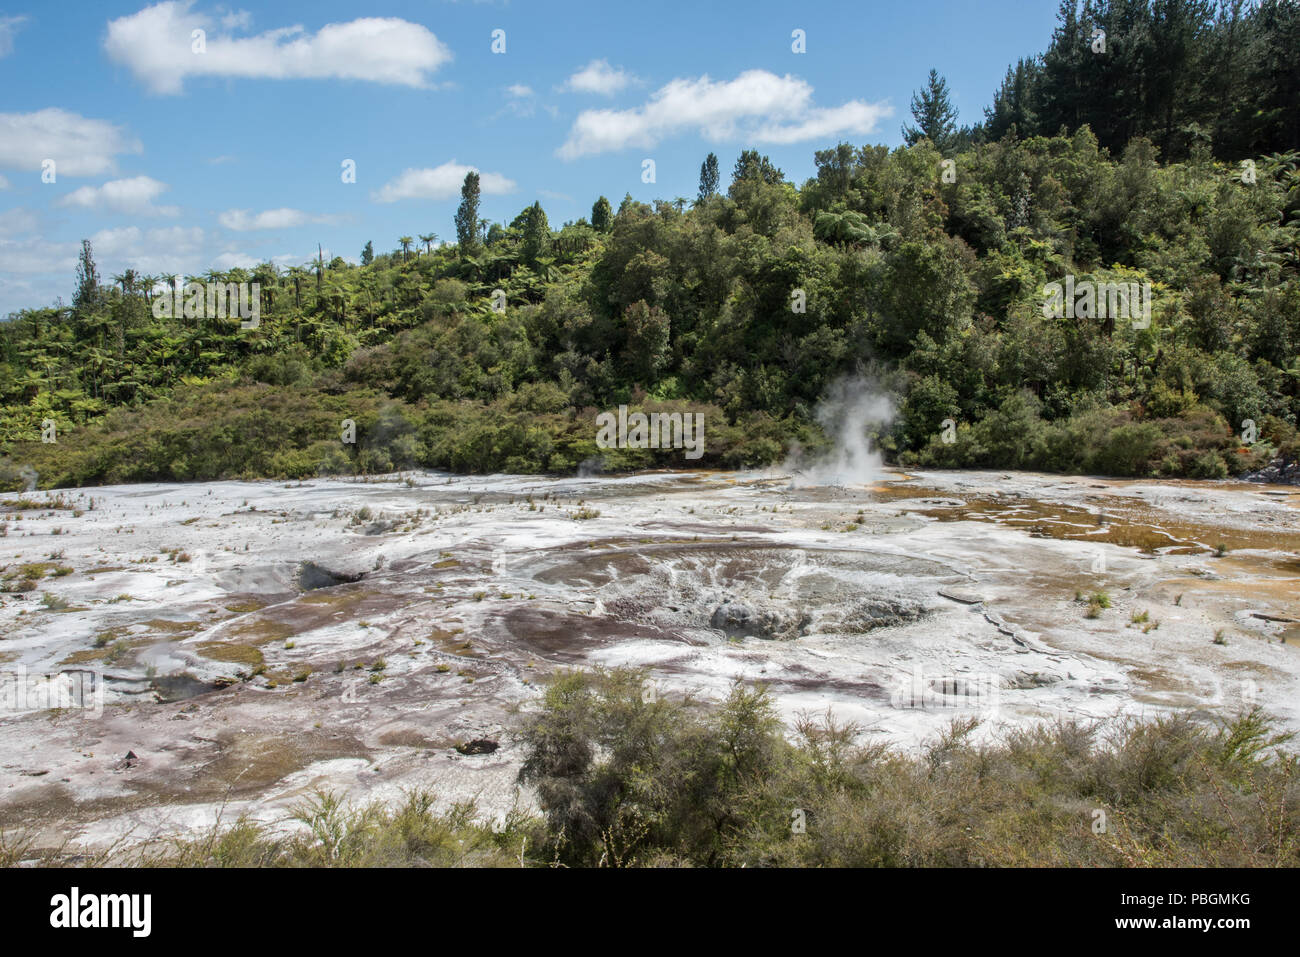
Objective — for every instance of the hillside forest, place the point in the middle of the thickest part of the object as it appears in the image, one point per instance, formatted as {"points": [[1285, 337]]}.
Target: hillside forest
{"points": [[1169, 163]]}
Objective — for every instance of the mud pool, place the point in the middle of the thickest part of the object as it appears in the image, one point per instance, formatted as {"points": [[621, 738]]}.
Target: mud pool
{"points": [[256, 641]]}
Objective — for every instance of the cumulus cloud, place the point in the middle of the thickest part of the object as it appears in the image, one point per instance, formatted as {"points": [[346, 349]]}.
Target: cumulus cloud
{"points": [[440, 182], [243, 220], [156, 45], [18, 293], [134, 196], [235, 260], [757, 106], [519, 90], [78, 145], [35, 255], [599, 77], [170, 248], [36, 270], [8, 27]]}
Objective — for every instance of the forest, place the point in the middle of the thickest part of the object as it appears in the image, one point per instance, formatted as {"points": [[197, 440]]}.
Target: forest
{"points": [[1166, 159]]}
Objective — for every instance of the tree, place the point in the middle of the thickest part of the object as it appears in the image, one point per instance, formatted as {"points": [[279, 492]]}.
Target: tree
{"points": [[1168, 70], [751, 166], [537, 234], [127, 280], [267, 277], [602, 215], [1013, 102], [406, 245], [368, 253], [467, 237], [843, 228], [648, 337], [708, 177], [934, 114], [428, 239], [296, 276], [87, 294]]}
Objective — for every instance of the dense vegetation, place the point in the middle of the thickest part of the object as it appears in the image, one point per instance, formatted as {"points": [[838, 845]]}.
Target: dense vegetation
{"points": [[1181, 72], [626, 779], [932, 284]]}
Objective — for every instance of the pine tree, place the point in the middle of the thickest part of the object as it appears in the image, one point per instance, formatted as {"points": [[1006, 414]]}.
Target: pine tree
{"points": [[602, 215], [1068, 65], [1013, 103], [708, 177], [537, 234], [368, 253], [934, 114], [467, 235], [87, 295]]}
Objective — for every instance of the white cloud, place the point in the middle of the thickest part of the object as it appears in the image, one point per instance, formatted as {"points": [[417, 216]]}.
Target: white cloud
{"points": [[156, 45], [521, 102], [134, 196], [757, 106], [599, 77], [165, 250], [441, 182], [174, 249], [132, 240], [8, 27], [18, 294], [79, 146], [235, 260], [237, 20], [16, 221], [853, 117], [36, 256], [242, 220], [169, 249]]}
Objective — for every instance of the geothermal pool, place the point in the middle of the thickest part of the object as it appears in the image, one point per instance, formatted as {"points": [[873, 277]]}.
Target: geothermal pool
{"points": [[250, 642]]}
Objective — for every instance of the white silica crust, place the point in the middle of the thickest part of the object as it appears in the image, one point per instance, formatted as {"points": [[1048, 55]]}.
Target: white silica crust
{"points": [[260, 640]]}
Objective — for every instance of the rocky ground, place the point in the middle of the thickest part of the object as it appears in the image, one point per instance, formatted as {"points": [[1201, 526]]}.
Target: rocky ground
{"points": [[1280, 471], [256, 641]]}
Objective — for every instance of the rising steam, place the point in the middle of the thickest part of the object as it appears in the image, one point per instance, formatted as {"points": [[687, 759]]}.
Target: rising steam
{"points": [[852, 412]]}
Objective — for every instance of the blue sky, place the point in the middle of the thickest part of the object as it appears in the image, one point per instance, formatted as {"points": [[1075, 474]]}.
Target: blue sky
{"points": [[173, 160]]}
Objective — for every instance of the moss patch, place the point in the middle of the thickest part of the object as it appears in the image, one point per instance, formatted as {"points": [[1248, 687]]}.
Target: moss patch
{"points": [[245, 606], [232, 652]]}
